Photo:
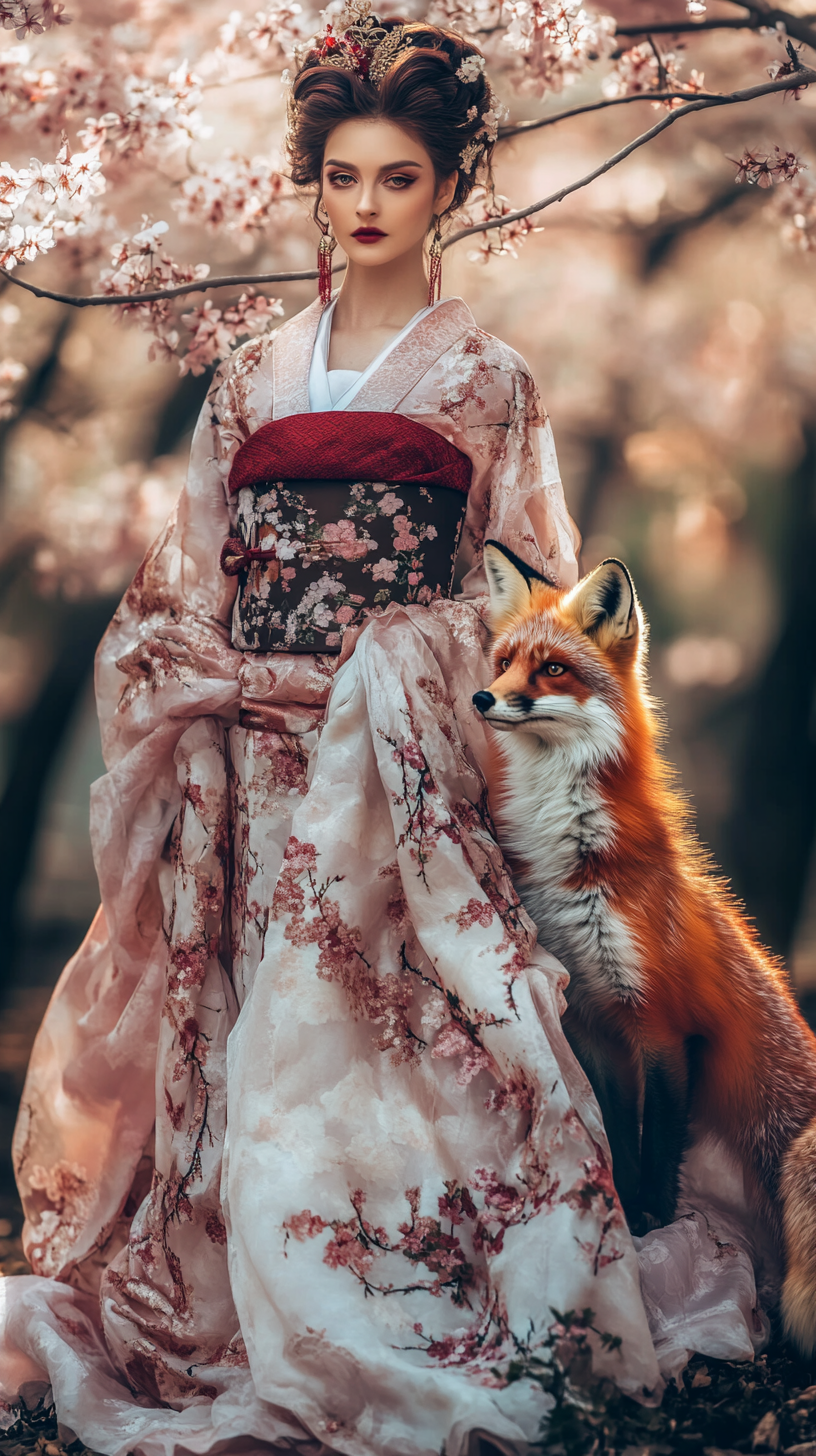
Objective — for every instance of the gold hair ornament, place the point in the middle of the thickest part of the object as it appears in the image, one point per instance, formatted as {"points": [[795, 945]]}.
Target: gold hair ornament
{"points": [[362, 44]]}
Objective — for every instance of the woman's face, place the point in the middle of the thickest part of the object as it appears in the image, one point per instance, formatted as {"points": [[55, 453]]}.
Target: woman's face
{"points": [[379, 190]]}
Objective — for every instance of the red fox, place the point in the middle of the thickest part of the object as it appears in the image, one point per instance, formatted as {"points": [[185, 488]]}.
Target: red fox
{"points": [[679, 1017]]}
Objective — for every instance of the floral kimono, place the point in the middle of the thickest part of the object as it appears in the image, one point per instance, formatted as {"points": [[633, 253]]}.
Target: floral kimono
{"points": [[305, 1157]]}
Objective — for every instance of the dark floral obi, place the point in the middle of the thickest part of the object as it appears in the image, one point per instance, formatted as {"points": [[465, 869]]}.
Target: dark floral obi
{"points": [[340, 514]]}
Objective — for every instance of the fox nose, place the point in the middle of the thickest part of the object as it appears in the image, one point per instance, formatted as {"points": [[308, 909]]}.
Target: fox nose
{"points": [[483, 700]]}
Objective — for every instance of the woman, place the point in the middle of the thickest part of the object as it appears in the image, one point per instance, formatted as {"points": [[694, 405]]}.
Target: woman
{"points": [[338, 1228]]}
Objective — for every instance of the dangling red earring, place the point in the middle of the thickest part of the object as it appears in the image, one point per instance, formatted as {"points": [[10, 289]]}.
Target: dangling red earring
{"points": [[326, 247], [435, 266]]}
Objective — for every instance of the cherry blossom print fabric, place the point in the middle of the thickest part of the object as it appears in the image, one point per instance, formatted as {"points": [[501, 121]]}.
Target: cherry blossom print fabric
{"points": [[341, 551], [305, 1157]]}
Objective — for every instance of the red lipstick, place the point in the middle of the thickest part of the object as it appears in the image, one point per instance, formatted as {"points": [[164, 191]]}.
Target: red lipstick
{"points": [[369, 234]]}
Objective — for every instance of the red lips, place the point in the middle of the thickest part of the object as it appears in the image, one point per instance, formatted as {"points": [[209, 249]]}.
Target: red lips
{"points": [[368, 235]]}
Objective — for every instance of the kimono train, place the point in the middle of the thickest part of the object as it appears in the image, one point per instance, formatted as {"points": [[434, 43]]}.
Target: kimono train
{"points": [[305, 1157]]}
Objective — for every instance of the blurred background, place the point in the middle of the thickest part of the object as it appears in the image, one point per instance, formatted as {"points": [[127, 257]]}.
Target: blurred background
{"points": [[668, 314]]}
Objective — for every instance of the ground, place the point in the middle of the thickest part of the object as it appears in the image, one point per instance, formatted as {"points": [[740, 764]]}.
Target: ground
{"points": [[721, 1409]]}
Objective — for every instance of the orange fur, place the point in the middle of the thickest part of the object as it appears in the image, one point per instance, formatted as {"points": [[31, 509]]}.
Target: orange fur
{"points": [[700, 980]]}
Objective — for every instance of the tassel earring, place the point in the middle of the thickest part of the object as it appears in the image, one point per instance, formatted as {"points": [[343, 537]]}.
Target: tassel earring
{"points": [[435, 266], [326, 247]]}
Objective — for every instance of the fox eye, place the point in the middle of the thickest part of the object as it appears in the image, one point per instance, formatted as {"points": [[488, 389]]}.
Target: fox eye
{"points": [[554, 669], [505, 664]]}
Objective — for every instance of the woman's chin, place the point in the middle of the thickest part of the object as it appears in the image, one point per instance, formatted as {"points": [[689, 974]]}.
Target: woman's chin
{"points": [[372, 255]]}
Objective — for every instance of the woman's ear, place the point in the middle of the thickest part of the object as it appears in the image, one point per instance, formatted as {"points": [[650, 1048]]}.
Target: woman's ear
{"points": [[444, 194]]}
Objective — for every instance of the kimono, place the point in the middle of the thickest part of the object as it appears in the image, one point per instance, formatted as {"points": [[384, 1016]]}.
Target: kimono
{"points": [[305, 1157]]}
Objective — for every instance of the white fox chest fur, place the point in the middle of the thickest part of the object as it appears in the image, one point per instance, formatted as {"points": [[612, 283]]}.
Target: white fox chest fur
{"points": [[551, 816]]}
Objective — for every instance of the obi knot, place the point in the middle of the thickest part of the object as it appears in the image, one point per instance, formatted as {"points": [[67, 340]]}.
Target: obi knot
{"points": [[236, 557]]}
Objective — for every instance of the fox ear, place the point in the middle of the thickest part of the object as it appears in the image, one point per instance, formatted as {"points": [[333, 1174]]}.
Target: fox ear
{"points": [[604, 605], [509, 580]]}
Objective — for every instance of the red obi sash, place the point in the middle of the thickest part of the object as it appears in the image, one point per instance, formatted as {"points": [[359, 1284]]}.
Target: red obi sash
{"points": [[349, 446]]}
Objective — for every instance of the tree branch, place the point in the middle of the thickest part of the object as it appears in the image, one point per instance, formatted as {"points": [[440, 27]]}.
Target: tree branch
{"points": [[682, 27], [803, 77], [95, 300], [519, 128], [235, 80], [801, 27], [659, 243]]}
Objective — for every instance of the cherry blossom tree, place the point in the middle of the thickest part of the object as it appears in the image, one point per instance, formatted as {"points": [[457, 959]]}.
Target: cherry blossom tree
{"points": [[145, 189], [147, 119]]}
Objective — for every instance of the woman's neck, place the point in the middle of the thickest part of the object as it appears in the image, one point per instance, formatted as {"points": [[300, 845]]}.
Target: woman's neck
{"points": [[373, 305]]}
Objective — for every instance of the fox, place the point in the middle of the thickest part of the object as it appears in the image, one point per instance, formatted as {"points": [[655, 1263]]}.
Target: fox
{"points": [[684, 1024]]}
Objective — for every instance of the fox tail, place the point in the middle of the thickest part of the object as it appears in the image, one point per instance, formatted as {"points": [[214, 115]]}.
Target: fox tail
{"points": [[798, 1190]]}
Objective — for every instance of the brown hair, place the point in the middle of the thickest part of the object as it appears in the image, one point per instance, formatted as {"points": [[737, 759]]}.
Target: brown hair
{"points": [[420, 93]]}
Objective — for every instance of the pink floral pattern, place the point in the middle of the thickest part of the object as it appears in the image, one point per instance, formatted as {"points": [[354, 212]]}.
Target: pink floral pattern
{"points": [[458, 1260], [328, 574]]}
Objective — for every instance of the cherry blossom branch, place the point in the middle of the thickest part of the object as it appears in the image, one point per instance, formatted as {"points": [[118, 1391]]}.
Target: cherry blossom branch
{"points": [[96, 300], [804, 76], [798, 79], [520, 127]]}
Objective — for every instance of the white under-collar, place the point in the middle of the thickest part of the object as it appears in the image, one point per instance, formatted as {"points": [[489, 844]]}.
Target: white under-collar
{"points": [[320, 394], [341, 380]]}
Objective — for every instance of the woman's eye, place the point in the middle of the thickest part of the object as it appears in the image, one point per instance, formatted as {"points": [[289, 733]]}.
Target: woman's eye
{"points": [[554, 669], [505, 664], [341, 179], [401, 182]]}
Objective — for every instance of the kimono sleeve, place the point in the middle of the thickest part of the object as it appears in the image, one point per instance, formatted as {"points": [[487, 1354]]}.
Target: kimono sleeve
{"points": [[167, 689], [516, 497], [167, 655]]}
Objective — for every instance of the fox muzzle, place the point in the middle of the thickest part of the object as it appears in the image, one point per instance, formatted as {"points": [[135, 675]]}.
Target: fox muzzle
{"points": [[483, 701]]}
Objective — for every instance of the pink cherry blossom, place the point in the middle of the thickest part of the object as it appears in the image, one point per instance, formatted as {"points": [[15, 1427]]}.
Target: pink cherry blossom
{"points": [[764, 168], [453, 1041], [305, 1225], [234, 194], [27, 19], [140, 264], [389, 503], [554, 42]]}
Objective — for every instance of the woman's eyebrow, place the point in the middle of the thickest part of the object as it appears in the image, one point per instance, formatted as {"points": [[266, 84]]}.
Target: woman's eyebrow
{"points": [[389, 166]]}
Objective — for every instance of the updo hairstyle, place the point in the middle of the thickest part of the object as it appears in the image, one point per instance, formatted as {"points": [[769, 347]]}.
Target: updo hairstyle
{"points": [[420, 93]]}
